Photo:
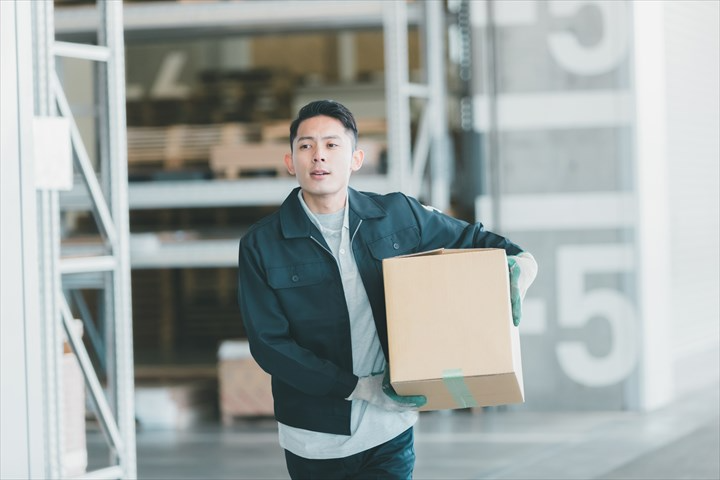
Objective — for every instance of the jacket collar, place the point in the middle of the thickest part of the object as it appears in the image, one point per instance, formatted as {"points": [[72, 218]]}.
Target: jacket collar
{"points": [[295, 223]]}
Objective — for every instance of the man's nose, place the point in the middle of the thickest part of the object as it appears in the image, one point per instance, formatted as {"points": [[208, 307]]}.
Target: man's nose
{"points": [[319, 155]]}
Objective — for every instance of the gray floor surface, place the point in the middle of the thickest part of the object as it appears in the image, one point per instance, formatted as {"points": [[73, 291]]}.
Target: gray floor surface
{"points": [[681, 441]]}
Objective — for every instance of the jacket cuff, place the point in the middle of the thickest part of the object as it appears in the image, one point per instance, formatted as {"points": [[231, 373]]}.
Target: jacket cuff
{"points": [[345, 386]]}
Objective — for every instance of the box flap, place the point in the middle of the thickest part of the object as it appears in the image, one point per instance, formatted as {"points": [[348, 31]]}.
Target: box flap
{"points": [[441, 251], [437, 251]]}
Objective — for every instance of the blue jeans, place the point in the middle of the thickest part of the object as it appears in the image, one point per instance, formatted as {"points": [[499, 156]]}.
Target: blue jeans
{"points": [[394, 459]]}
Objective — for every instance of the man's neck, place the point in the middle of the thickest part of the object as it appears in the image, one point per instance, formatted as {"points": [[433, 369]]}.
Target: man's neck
{"points": [[327, 204]]}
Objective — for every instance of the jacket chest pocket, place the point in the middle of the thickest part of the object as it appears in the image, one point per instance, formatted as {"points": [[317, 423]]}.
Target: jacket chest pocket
{"points": [[302, 289], [398, 243], [295, 276]]}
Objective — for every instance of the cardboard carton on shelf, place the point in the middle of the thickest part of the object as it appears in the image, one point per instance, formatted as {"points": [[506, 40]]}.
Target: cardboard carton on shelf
{"points": [[245, 388], [450, 330], [162, 402], [74, 449]]}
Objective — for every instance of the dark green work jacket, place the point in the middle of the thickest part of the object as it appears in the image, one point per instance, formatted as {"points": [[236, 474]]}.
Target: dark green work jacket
{"points": [[292, 301]]}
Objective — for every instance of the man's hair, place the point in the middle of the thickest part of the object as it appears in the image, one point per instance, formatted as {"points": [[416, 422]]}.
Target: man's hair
{"points": [[328, 108]]}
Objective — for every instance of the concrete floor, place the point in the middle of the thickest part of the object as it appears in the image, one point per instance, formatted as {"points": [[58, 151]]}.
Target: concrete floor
{"points": [[681, 441]]}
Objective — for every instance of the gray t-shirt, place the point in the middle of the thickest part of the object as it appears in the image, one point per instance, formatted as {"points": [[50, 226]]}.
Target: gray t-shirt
{"points": [[369, 425]]}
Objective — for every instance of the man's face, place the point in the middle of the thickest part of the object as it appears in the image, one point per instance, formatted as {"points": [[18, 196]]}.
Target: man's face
{"points": [[322, 160]]}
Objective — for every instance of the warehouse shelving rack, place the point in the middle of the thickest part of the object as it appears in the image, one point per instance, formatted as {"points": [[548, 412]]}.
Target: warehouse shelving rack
{"points": [[110, 270], [407, 164], [106, 192]]}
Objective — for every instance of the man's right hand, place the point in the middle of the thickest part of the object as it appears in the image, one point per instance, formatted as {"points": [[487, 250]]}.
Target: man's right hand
{"points": [[376, 389]]}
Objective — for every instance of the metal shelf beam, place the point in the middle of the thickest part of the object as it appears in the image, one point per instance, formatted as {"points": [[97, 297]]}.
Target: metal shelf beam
{"points": [[187, 254], [77, 50], [213, 193], [103, 263], [165, 20]]}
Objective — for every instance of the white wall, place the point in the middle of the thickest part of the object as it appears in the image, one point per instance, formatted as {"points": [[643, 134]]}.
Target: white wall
{"points": [[676, 82], [21, 412], [692, 79]]}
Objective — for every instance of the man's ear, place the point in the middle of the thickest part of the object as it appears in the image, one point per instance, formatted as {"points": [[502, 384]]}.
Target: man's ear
{"points": [[289, 164], [357, 160]]}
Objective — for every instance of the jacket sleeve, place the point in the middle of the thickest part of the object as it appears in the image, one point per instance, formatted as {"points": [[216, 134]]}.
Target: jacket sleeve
{"points": [[271, 344], [438, 230]]}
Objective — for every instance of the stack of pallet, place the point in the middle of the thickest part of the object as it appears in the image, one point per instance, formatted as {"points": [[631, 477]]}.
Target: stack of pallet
{"points": [[276, 136], [182, 146], [235, 159]]}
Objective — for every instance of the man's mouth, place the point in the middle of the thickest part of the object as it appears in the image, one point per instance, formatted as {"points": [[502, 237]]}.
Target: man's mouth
{"points": [[319, 173]]}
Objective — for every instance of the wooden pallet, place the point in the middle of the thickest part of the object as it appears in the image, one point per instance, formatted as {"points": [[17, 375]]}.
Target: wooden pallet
{"points": [[175, 146], [279, 130], [230, 161]]}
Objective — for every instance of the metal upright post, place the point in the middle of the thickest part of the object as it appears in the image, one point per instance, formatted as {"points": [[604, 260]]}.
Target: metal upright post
{"points": [[396, 80], [495, 177], [48, 248], [441, 158], [121, 377]]}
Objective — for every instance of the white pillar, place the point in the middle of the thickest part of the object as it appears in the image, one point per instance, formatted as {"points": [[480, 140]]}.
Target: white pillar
{"points": [[22, 452], [653, 246]]}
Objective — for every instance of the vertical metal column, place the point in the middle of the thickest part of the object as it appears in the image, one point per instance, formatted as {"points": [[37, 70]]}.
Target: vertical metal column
{"points": [[397, 106], [441, 157], [492, 149], [119, 305], [48, 248]]}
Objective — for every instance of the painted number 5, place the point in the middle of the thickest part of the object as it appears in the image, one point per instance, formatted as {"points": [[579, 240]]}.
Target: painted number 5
{"points": [[576, 306]]}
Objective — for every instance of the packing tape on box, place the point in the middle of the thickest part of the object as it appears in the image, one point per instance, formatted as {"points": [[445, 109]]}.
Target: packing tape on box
{"points": [[455, 383]]}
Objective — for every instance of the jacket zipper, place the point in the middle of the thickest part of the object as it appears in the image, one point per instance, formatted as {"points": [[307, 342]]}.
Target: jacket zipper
{"points": [[322, 246], [354, 233], [330, 252]]}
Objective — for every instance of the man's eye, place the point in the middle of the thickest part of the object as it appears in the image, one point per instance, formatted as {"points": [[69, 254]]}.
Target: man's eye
{"points": [[332, 145], [304, 146]]}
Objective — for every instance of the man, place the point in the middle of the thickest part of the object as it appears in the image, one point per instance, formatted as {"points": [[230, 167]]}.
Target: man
{"points": [[312, 300]]}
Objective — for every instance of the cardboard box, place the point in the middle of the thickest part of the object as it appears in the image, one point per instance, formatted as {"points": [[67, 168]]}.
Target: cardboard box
{"points": [[174, 403], [245, 388], [74, 448], [450, 330]]}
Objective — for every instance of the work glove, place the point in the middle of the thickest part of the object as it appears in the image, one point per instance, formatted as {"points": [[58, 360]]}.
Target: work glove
{"points": [[376, 389], [523, 270]]}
